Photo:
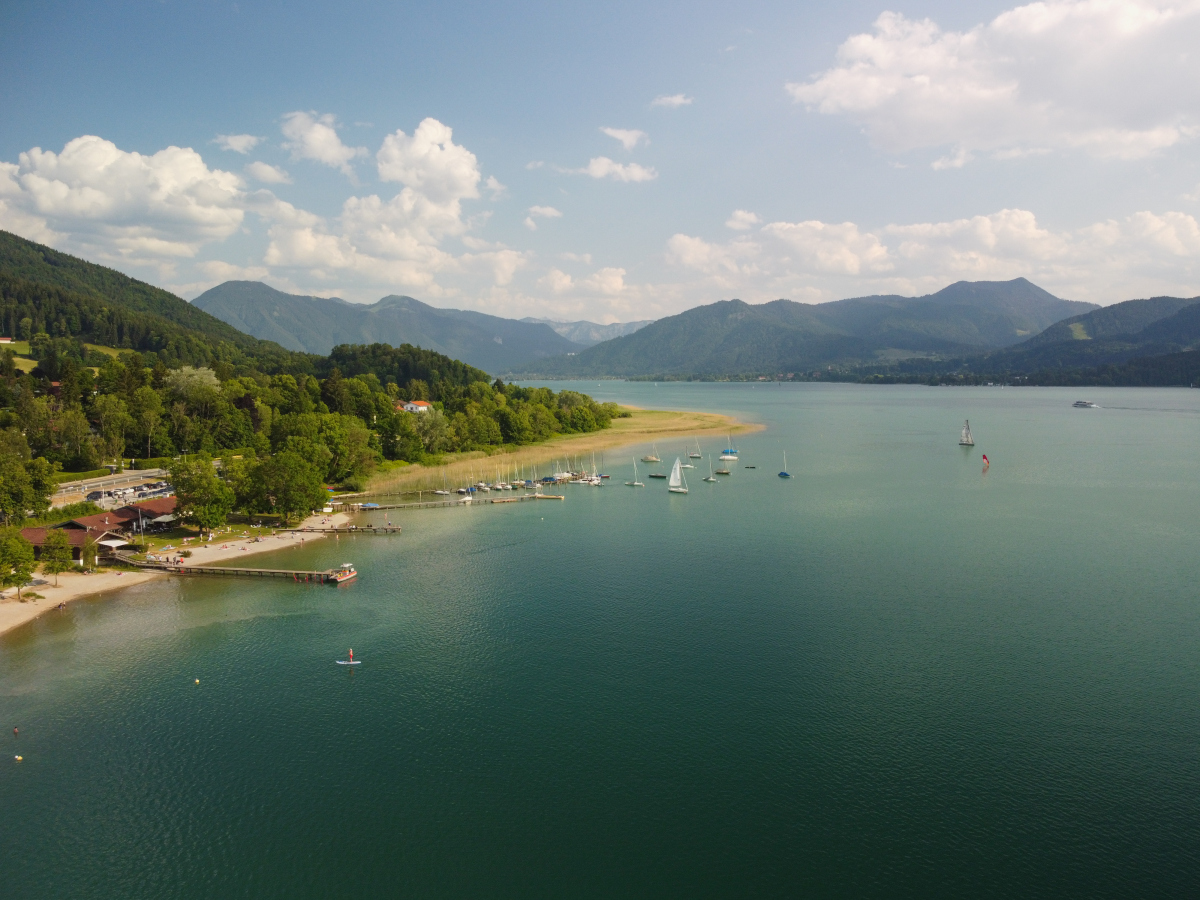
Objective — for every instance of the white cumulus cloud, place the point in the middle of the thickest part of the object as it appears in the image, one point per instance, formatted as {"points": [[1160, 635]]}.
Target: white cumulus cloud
{"points": [[540, 212], [312, 136], [603, 167], [1118, 259], [267, 173], [742, 220], [629, 137], [99, 199], [671, 101], [1112, 78], [238, 143]]}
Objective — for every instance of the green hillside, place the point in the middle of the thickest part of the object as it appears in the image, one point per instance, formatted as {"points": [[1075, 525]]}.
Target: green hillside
{"points": [[138, 373], [318, 324], [736, 338], [25, 261]]}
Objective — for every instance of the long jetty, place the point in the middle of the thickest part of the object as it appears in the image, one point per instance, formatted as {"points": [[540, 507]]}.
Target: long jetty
{"points": [[319, 576]]}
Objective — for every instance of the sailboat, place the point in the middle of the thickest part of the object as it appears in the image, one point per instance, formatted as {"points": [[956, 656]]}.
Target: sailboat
{"points": [[652, 457], [635, 482], [677, 485], [710, 477], [967, 439], [696, 455], [687, 465], [785, 473], [444, 492], [730, 451]]}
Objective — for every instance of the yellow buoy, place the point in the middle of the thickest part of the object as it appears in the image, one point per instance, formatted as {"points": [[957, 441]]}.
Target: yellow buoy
{"points": [[19, 758], [197, 681]]}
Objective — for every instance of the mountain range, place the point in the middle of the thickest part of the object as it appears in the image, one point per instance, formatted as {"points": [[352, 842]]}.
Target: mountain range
{"points": [[733, 337], [1108, 336], [587, 334], [318, 324]]}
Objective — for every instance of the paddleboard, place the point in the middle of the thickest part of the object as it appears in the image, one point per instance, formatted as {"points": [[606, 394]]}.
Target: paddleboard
{"points": [[349, 662]]}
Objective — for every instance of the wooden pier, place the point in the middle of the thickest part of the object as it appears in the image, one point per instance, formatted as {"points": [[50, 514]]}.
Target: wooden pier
{"points": [[307, 576], [424, 504], [346, 529], [529, 497]]}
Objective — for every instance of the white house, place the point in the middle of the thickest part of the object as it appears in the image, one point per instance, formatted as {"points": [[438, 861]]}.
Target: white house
{"points": [[417, 406]]}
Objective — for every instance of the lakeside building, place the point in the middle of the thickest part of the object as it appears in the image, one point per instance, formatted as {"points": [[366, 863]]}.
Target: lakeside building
{"points": [[417, 406], [77, 537], [126, 520]]}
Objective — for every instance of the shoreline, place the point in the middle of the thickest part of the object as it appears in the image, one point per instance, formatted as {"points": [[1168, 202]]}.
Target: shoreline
{"points": [[73, 586], [646, 426]]}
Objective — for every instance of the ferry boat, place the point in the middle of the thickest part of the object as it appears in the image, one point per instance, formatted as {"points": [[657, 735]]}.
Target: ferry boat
{"points": [[344, 574], [1084, 404]]}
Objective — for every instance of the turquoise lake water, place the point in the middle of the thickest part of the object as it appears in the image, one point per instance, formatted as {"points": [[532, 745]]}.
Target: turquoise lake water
{"points": [[894, 675]]}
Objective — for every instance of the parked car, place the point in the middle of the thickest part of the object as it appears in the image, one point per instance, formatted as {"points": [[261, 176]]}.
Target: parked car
{"points": [[95, 495]]}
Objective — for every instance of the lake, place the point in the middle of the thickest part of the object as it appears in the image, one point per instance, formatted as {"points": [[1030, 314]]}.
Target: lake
{"points": [[893, 675]]}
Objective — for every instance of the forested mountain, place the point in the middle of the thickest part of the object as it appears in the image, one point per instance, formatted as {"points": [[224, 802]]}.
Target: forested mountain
{"points": [[317, 324], [1109, 336], [25, 261], [159, 387], [732, 337], [588, 333]]}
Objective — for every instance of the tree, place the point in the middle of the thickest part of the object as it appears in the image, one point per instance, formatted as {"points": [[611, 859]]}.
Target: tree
{"points": [[25, 483], [87, 556], [286, 484], [146, 408], [16, 560], [56, 554], [199, 494]]}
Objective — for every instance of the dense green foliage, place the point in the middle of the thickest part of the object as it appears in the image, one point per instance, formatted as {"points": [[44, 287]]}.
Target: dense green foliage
{"points": [[26, 482], [16, 559], [177, 388], [56, 554]]}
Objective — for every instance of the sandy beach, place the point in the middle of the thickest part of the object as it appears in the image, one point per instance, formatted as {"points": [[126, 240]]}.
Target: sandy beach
{"points": [[670, 429], [78, 585]]}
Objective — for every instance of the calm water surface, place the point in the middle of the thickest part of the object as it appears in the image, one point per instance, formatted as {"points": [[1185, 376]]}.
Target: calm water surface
{"points": [[893, 676]]}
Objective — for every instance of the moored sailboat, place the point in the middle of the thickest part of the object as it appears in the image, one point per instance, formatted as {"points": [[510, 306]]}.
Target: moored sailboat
{"points": [[652, 457], [711, 477], [696, 454], [635, 482], [785, 473], [677, 485]]}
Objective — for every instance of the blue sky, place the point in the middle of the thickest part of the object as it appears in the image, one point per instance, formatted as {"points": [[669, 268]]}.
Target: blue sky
{"points": [[613, 163]]}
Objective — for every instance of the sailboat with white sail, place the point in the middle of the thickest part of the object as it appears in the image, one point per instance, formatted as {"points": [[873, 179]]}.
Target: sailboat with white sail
{"points": [[676, 485], [635, 482], [967, 439]]}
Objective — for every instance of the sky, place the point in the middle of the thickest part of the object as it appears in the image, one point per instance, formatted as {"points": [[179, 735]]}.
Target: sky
{"points": [[610, 162]]}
